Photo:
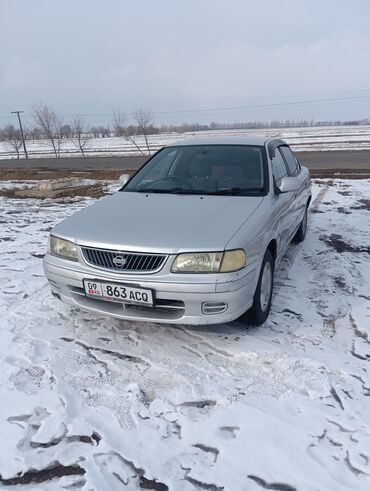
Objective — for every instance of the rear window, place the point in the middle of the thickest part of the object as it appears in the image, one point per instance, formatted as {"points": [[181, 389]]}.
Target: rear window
{"points": [[279, 169], [290, 160]]}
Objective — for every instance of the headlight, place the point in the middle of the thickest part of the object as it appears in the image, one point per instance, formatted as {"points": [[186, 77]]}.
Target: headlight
{"points": [[63, 248], [233, 261], [209, 262]]}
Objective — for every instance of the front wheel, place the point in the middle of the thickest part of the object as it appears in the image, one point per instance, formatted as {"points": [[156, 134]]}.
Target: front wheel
{"points": [[260, 309]]}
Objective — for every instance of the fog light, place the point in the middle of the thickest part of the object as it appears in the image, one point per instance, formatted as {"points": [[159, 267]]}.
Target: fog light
{"points": [[213, 307], [55, 294], [54, 286]]}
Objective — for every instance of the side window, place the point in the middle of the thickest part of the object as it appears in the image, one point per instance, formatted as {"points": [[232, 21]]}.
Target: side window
{"points": [[278, 166], [291, 161]]}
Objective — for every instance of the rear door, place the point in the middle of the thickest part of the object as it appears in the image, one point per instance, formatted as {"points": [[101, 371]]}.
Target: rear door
{"points": [[300, 196], [283, 204]]}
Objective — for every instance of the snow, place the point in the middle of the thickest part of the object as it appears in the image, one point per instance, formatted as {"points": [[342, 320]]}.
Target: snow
{"points": [[285, 405], [355, 137]]}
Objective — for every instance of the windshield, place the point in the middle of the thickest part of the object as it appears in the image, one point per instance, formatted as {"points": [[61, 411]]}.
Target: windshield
{"points": [[203, 169]]}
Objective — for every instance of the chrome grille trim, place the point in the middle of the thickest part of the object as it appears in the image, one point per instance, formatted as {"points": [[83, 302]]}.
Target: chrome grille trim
{"points": [[136, 262]]}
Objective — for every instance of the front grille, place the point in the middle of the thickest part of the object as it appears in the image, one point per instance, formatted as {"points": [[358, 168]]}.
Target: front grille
{"points": [[123, 261]]}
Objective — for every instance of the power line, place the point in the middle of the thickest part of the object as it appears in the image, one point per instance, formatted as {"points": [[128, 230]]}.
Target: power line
{"points": [[238, 108], [277, 104], [223, 110]]}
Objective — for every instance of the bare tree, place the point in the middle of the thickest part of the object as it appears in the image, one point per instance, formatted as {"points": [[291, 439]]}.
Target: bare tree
{"points": [[50, 125], [144, 119], [104, 131], [34, 134], [13, 138], [100, 131], [80, 136], [120, 128], [66, 131], [95, 131]]}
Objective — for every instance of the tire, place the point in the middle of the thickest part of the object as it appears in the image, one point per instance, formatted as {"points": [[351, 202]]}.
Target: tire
{"points": [[260, 309], [301, 232]]}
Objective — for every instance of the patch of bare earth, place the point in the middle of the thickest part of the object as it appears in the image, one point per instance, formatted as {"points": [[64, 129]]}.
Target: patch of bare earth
{"points": [[337, 242], [9, 174], [93, 191], [39, 476], [40, 174], [362, 204], [340, 173]]}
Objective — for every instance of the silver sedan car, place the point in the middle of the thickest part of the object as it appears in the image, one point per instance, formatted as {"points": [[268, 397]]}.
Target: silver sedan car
{"points": [[193, 237]]}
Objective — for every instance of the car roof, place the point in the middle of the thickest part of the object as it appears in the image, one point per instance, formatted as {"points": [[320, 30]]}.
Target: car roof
{"points": [[224, 140]]}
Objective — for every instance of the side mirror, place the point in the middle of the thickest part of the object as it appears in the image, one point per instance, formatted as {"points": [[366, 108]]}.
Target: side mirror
{"points": [[287, 185], [124, 178]]}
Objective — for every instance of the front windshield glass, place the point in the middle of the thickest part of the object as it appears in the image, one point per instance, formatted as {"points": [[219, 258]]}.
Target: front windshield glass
{"points": [[203, 169]]}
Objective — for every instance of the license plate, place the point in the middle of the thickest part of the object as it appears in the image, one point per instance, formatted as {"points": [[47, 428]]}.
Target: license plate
{"points": [[116, 292]]}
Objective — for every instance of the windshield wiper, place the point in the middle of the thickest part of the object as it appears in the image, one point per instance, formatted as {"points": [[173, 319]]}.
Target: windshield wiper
{"points": [[158, 190], [235, 190], [171, 190], [178, 190]]}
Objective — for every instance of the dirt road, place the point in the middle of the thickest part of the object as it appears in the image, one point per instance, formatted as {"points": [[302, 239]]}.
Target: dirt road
{"points": [[321, 164], [314, 160]]}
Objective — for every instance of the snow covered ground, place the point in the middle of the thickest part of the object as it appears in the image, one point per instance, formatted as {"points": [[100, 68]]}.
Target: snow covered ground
{"points": [[92, 403], [301, 139]]}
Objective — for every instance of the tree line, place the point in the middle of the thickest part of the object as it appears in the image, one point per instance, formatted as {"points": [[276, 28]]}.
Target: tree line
{"points": [[50, 126]]}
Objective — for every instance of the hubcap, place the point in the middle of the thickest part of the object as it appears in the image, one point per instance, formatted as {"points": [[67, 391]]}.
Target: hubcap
{"points": [[266, 286]]}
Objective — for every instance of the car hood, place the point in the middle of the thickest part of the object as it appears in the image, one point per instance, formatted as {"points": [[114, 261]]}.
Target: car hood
{"points": [[167, 223]]}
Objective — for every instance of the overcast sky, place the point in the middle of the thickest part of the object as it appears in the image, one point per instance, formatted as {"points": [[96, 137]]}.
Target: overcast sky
{"points": [[90, 56]]}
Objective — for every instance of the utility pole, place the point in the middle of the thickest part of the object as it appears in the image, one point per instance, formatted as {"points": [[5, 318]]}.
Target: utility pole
{"points": [[20, 127]]}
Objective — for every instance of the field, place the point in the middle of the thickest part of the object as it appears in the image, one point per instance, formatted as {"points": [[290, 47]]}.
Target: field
{"points": [[88, 402], [301, 139]]}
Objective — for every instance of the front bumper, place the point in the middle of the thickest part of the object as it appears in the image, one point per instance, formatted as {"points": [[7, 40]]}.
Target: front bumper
{"points": [[180, 298]]}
